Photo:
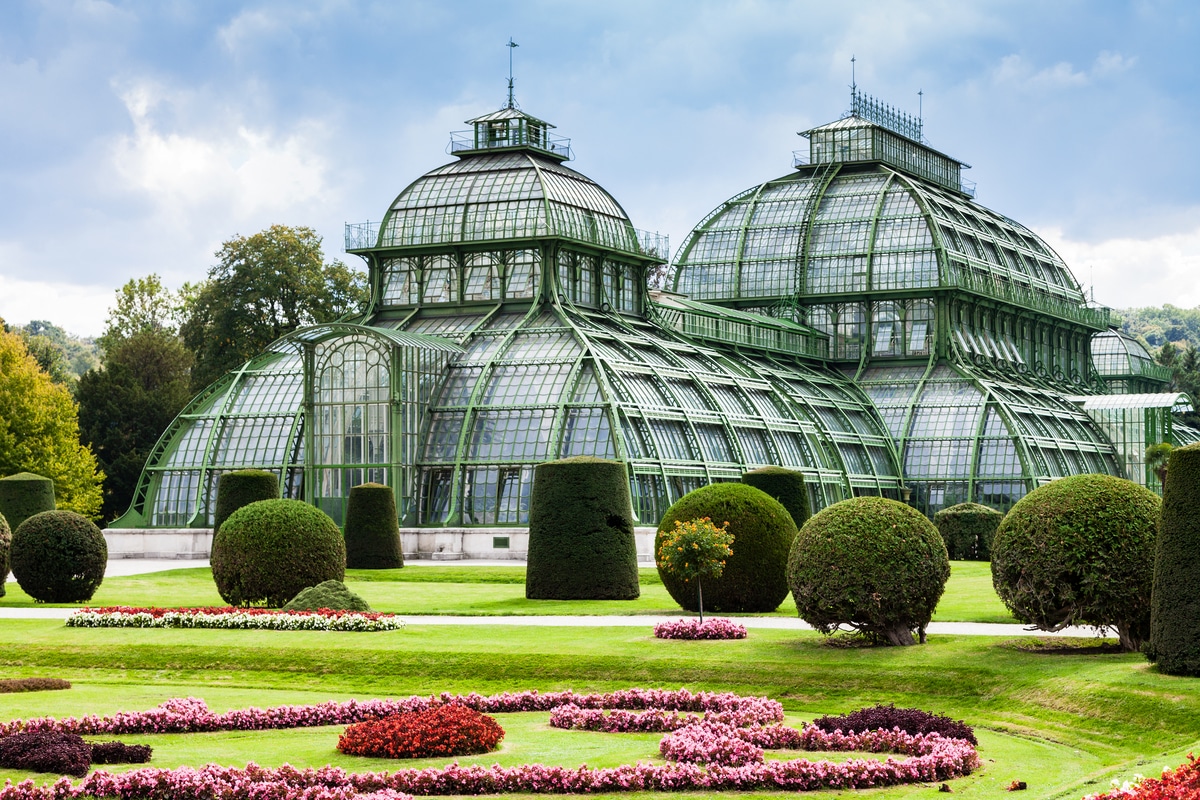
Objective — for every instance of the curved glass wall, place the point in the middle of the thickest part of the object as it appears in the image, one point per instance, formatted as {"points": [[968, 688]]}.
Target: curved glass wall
{"points": [[1125, 365]]}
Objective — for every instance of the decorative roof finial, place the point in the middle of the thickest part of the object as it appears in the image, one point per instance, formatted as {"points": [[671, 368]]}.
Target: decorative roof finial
{"points": [[512, 103]]}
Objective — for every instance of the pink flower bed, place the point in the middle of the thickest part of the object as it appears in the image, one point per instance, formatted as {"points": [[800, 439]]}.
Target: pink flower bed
{"points": [[706, 754], [694, 629]]}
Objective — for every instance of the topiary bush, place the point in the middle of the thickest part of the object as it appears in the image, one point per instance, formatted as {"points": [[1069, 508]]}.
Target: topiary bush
{"points": [[871, 564], [241, 488], [330, 594], [968, 530], [59, 557], [1175, 603], [581, 543], [786, 486], [5, 547], [56, 752], [23, 495], [372, 528], [1080, 551], [754, 578], [268, 551]]}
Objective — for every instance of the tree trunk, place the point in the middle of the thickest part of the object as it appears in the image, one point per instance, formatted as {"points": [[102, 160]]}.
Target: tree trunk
{"points": [[899, 636], [700, 598]]}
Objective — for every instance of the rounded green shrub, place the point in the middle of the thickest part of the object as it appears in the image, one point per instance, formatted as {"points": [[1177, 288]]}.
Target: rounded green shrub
{"points": [[581, 543], [59, 557], [23, 495], [268, 551], [871, 564], [1080, 551], [755, 576], [241, 488], [372, 529], [786, 486], [5, 549], [968, 530], [330, 594], [1174, 643]]}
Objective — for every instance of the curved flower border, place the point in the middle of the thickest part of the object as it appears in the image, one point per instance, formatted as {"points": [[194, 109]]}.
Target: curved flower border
{"points": [[710, 754], [234, 618]]}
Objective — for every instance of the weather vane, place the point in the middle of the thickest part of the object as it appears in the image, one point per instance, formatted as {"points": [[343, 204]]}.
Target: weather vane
{"points": [[512, 103]]}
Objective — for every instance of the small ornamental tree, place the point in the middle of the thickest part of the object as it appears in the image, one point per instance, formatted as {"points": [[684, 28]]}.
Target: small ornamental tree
{"points": [[1175, 604], [1080, 551], [695, 550]]}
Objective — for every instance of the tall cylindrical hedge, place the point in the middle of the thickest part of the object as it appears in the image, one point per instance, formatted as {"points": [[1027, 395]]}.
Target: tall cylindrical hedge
{"points": [[23, 495], [872, 564], [1080, 551], [1175, 603], [786, 486], [968, 530], [59, 557], [581, 543], [5, 545], [268, 551], [372, 528], [755, 576], [241, 488]]}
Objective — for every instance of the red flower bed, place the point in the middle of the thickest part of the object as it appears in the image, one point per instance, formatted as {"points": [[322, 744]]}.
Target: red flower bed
{"points": [[1181, 783], [448, 730]]}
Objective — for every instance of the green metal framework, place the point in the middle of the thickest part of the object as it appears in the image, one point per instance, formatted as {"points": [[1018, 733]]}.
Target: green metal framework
{"points": [[1133, 422], [1125, 366]]}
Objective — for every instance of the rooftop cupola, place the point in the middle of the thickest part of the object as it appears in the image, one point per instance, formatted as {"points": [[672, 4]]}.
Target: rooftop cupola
{"points": [[510, 128]]}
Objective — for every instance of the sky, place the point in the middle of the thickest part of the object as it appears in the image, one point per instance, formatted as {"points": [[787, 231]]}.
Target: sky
{"points": [[136, 137]]}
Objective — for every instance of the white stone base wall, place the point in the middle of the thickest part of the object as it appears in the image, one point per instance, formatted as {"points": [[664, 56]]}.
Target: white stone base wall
{"points": [[439, 544]]}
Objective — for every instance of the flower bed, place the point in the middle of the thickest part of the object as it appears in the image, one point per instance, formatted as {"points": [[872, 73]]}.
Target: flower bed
{"points": [[695, 629], [233, 618], [708, 755], [451, 730], [1181, 783]]}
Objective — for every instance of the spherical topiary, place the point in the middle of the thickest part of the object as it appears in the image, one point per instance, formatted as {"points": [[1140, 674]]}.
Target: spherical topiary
{"points": [[5, 546], [23, 495], [1080, 551], [968, 530], [754, 578], [241, 488], [786, 486], [872, 564], [59, 557], [581, 542], [268, 551], [372, 529], [331, 594], [1175, 604]]}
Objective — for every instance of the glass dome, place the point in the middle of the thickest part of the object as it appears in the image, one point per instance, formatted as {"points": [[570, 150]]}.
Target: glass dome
{"points": [[1126, 366]]}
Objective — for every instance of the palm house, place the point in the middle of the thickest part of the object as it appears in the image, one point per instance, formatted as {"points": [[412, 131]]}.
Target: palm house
{"points": [[860, 319]]}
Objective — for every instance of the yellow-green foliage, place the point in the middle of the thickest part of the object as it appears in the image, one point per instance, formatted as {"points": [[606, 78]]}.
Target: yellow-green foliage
{"points": [[39, 431], [871, 564], [1175, 609], [1080, 551], [754, 578]]}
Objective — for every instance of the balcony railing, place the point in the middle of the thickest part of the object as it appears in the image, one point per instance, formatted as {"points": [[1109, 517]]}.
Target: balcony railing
{"points": [[1028, 297], [559, 146], [361, 235]]}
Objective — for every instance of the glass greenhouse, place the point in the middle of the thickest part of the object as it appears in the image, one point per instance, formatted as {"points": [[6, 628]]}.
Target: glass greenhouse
{"points": [[860, 319]]}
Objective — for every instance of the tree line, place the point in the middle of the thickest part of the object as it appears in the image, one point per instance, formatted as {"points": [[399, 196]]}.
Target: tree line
{"points": [[87, 414]]}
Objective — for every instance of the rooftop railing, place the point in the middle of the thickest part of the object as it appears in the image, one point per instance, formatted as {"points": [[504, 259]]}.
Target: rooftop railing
{"points": [[1028, 297], [555, 145], [361, 235]]}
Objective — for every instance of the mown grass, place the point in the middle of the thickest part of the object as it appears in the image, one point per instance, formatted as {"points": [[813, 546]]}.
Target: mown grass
{"points": [[485, 591], [1064, 724]]}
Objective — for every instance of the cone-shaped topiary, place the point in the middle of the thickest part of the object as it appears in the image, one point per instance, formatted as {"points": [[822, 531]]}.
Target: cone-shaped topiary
{"points": [[1080, 551], [59, 557], [754, 578], [268, 551], [786, 486], [5, 546], [23, 495], [241, 488], [581, 543], [968, 530], [330, 594], [1175, 604], [871, 564], [372, 529]]}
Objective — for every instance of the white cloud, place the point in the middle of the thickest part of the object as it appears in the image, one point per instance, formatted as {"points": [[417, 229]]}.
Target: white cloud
{"points": [[1130, 272], [81, 310], [226, 174], [1016, 70]]}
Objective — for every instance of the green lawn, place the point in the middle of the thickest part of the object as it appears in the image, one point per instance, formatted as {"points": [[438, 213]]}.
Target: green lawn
{"points": [[484, 591]]}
